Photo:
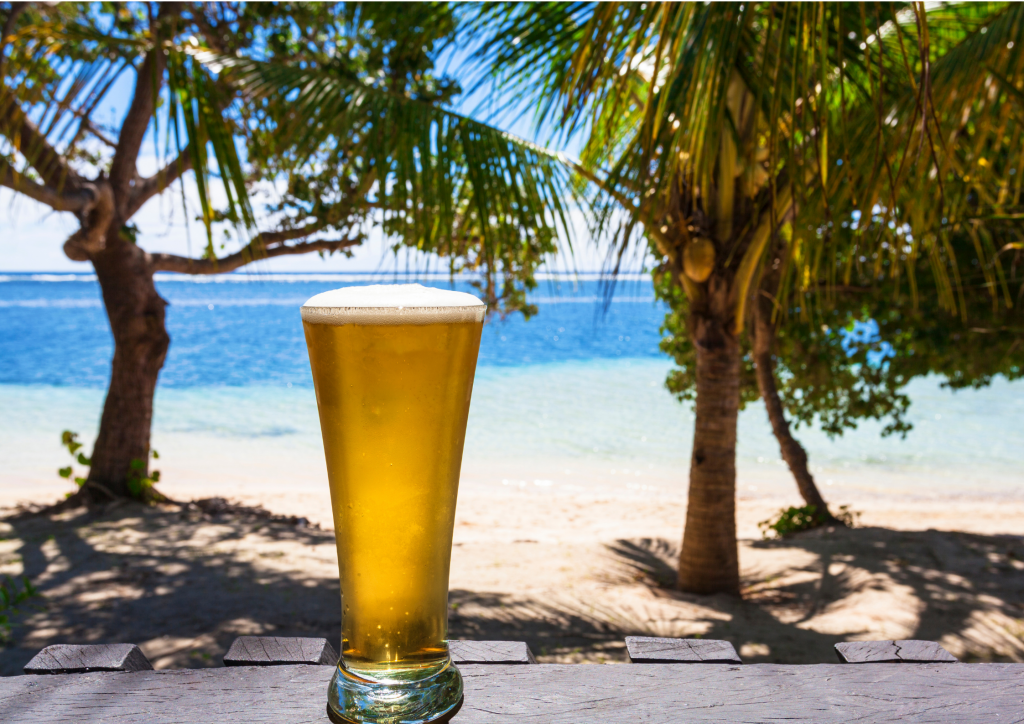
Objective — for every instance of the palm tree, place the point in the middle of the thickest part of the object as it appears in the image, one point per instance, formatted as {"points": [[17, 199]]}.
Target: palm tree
{"points": [[725, 129], [366, 139]]}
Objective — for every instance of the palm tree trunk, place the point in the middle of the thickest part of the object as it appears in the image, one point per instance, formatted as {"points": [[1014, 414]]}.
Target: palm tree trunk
{"points": [[136, 315], [792, 451], [708, 561]]}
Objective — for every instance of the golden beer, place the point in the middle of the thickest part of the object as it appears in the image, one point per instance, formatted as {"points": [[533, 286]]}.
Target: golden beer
{"points": [[393, 371]]}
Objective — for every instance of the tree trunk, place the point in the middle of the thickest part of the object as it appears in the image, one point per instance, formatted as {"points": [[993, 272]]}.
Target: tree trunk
{"points": [[708, 562], [136, 315], [792, 451]]}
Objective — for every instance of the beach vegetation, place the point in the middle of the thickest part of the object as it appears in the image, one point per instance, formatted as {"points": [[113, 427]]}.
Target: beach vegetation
{"points": [[141, 482], [807, 517], [14, 592], [70, 441], [335, 113], [855, 351], [778, 131]]}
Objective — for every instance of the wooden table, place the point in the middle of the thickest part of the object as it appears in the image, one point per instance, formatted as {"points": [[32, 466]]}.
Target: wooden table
{"points": [[550, 693]]}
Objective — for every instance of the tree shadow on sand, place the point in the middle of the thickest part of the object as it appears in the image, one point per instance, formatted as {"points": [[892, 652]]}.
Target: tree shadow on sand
{"points": [[180, 584], [803, 594], [184, 584]]}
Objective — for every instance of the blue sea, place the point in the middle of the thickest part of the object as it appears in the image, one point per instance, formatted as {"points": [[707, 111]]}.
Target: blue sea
{"points": [[572, 398], [241, 330]]}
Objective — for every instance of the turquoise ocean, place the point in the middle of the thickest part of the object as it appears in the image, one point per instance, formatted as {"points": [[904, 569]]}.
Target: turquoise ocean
{"points": [[570, 401]]}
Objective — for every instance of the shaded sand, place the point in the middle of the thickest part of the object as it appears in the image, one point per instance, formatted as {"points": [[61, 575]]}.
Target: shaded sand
{"points": [[570, 574]]}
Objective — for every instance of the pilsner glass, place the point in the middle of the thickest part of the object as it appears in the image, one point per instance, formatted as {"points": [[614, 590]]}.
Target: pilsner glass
{"points": [[393, 371]]}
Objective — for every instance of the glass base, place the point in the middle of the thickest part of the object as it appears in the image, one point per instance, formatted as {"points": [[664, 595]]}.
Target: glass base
{"points": [[404, 697]]}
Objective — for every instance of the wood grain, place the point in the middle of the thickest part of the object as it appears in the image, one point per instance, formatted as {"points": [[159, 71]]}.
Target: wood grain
{"points": [[893, 652], [491, 652], [81, 658], [651, 650], [547, 694], [279, 651]]}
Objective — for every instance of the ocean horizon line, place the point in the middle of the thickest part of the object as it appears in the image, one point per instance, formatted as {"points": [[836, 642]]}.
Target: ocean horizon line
{"points": [[300, 276]]}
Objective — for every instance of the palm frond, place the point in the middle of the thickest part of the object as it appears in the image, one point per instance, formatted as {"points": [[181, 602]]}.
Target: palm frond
{"points": [[197, 107], [439, 177], [861, 109]]}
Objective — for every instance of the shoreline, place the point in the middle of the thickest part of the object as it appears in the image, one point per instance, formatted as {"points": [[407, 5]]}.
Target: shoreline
{"points": [[294, 482], [609, 424]]}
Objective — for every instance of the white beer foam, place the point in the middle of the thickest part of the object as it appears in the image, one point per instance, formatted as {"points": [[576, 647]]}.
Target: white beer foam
{"points": [[389, 304]]}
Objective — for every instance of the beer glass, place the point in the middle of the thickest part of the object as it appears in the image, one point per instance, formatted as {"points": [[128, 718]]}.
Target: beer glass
{"points": [[393, 371]]}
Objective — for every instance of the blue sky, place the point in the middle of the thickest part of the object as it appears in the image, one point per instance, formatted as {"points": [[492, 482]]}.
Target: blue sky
{"points": [[35, 234]]}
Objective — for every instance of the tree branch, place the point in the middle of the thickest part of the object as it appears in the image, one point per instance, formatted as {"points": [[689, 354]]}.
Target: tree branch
{"points": [[32, 144], [74, 201], [87, 126], [85, 112], [123, 168], [133, 130], [95, 130], [9, 24], [252, 252], [147, 188]]}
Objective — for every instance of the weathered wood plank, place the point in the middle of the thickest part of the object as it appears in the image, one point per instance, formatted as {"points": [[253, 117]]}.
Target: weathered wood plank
{"points": [[80, 658], [651, 650], [491, 652], [547, 694], [893, 652], [279, 651]]}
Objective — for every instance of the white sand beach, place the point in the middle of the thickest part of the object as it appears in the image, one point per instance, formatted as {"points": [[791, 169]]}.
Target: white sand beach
{"points": [[570, 573], [570, 549]]}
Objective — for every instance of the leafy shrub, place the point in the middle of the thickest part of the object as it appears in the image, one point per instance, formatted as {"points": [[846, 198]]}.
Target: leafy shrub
{"points": [[70, 440], [139, 483], [793, 520], [11, 596]]}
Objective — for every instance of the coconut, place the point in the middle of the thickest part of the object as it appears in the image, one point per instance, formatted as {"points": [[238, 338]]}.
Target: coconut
{"points": [[699, 259]]}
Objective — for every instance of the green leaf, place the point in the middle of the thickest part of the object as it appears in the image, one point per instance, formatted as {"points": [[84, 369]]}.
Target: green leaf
{"points": [[65, 472], [443, 182], [70, 440], [130, 233]]}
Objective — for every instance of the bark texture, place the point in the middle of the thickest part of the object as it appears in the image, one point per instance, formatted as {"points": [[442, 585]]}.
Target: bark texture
{"points": [[792, 451], [136, 315], [708, 561]]}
